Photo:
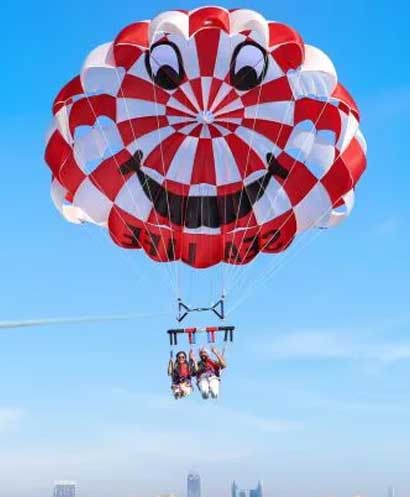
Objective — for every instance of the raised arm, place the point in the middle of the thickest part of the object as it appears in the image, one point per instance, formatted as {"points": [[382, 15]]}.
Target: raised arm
{"points": [[220, 357], [192, 362], [170, 367]]}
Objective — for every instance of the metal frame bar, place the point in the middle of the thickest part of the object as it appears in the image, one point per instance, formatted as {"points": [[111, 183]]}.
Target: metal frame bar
{"points": [[192, 332], [218, 308]]}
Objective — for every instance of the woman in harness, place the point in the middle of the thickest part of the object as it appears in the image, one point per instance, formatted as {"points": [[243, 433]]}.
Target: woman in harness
{"points": [[208, 372], [181, 372]]}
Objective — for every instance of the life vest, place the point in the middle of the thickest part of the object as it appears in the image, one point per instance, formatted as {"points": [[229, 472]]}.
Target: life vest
{"points": [[182, 373], [209, 368]]}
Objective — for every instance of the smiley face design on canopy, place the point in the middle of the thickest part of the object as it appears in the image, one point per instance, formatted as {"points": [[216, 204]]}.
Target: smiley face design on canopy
{"points": [[206, 136]]}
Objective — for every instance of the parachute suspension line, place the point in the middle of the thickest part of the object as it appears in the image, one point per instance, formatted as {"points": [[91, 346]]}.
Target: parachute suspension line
{"points": [[146, 183], [287, 257], [234, 263], [244, 275], [108, 145], [174, 264], [272, 268], [139, 274]]}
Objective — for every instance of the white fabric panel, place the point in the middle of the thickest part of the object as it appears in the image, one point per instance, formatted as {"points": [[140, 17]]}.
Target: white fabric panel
{"points": [[361, 139], [169, 22], [232, 106], [244, 19], [188, 128], [132, 199], [322, 153], [256, 175], [221, 94], [97, 142], [139, 69], [224, 55], [180, 169], [273, 203], [187, 89], [189, 56], [338, 215], [202, 230], [316, 77], [94, 203], [301, 140], [130, 108], [149, 141], [205, 133], [259, 143], [202, 190], [71, 214], [313, 209], [226, 168], [153, 174], [280, 112], [61, 119], [206, 88], [99, 74], [349, 127], [274, 71], [176, 104], [224, 131]]}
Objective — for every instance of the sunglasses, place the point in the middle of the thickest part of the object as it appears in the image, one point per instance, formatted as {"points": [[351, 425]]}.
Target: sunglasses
{"points": [[181, 357]]}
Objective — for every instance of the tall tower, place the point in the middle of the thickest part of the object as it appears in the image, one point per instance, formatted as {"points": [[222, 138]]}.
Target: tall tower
{"points": [[234, 489], [391, 492], [260, 489], [193, 485], [64, 489]]}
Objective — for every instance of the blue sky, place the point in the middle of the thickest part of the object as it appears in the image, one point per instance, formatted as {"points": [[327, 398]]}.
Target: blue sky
{"points": [[316, 398]]}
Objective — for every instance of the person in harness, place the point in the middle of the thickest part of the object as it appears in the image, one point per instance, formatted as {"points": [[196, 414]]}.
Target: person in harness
{"points": [[181, 372], [208, 372]]}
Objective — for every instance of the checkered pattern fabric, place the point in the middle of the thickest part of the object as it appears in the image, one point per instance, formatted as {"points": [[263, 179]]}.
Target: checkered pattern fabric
{"points": [[206, 136]]}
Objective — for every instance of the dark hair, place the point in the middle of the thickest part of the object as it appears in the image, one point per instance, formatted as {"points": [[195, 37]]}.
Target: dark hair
{"points": [[181, 352]]}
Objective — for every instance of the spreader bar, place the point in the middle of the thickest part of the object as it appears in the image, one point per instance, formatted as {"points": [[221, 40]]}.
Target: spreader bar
{"points": [[211, 332]]}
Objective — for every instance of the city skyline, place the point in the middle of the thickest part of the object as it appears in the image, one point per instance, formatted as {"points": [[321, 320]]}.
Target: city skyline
{"points": [[64, 489]]}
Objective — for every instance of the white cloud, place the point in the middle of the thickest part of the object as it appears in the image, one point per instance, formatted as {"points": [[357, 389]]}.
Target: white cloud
{"points": [[350, 345]]}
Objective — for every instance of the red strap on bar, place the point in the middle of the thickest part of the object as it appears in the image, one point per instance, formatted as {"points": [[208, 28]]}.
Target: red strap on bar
{"points": [[211, 330], [190, 332]]}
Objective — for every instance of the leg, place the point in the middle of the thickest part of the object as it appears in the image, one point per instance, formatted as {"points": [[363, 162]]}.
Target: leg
{"points": [[186, 389], [214, 387], [176, 390], [203, 385]]}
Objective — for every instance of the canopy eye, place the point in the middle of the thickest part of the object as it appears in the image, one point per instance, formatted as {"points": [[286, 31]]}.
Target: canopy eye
{"points": [[164, 65], [248, 66]]}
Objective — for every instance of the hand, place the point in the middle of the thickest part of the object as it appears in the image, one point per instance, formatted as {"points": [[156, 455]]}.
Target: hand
{"points": [[214, 350], [191, 355]]}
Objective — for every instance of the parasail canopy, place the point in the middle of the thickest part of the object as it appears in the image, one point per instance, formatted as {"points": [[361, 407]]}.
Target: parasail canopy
{"points": [[205, 136]]}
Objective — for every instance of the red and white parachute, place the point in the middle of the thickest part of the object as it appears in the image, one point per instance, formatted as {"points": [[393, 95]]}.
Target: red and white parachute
{"points": [[206, 136]]}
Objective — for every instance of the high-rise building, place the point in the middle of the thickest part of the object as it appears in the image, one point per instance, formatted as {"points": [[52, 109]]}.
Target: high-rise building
{"points": [[253, 492], [234, 489], [193, 485], [64, 489], [259, 489], [391, 492]]}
